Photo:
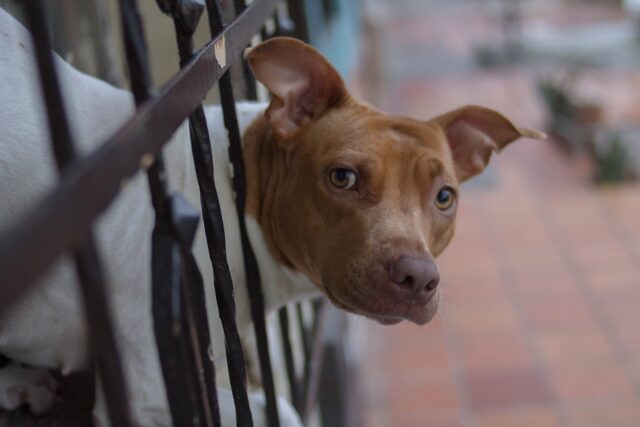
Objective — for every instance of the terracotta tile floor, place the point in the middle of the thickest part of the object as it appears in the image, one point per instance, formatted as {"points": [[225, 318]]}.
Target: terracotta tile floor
{"points": [[540, 321]]}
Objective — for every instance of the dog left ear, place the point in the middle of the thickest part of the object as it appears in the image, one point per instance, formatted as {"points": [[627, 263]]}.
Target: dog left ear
{"points": [[303, 83], [474, 133]]}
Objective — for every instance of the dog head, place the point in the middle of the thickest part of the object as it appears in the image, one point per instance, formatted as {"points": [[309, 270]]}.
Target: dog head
{"points": [[359, 201]]}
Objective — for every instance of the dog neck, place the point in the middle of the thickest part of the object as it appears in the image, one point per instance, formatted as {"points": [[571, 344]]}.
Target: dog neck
{"points": [[265, 173]]}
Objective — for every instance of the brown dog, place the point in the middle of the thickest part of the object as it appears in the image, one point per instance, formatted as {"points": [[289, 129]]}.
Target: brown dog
{"points": [[342, 199], [359, 201]]}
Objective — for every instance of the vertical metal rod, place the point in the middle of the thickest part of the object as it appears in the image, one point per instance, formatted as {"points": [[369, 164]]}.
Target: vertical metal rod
{"points": [[304, 333], [283, 317], [332, 390], [173, 266], [297, 13], [250, 91], [137, 61], [254, 285], [87, 261], [185, 21], [168, 307], [204, 372], [314, 373], [214, 229]]}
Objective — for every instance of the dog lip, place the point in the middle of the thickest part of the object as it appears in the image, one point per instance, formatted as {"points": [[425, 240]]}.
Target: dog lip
{"points": [[380, 316], [422, 313], [415, 308], [422, 298], [386, 320]]}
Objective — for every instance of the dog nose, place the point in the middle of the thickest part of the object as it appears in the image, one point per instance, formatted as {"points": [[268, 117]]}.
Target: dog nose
{"points": [[418, 275]]}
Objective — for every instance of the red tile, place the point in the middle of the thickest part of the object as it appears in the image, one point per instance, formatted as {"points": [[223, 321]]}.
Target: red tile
{"points": [[421, 395], [520, 416], [425, 419], [567, 347], [544, 283], [609, 413], [556, 312], [591, 382], [494, 352], [605, 281], [418, 358], [469, 290], [516, 329], [504, 388], [623, 308], [483, 317], [612, 268], [629, 336]]}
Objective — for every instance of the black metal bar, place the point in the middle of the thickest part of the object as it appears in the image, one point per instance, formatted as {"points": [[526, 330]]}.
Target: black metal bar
{"points": [[305, 336], [102, 340], [254, 285], [284, 25], [88, 186], [186, 15], [204, 374], [297, 13], [294, 390], [168, 313], [250, 91], [4, 361], [303, 331], [200, 366], [332, 391], [296, 10], [175, 225], [185, 21], [313, 367], [178, 312]]}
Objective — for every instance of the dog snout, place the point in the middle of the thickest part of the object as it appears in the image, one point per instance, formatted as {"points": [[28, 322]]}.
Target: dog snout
{"points": [[417, 275]]}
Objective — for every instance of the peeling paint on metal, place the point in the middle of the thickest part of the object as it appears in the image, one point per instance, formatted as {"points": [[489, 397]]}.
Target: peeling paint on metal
{"points": [[220, 51]]}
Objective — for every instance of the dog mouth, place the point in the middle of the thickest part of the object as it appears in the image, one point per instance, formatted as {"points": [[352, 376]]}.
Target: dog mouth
{"points": [[417, 310]]}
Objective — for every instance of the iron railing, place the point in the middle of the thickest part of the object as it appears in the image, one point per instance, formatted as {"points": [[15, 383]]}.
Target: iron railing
{"points": [[63, 221]]}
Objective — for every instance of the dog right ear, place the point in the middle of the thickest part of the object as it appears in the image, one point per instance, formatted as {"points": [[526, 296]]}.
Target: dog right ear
{"points": [[475, 133], [303, 83]]}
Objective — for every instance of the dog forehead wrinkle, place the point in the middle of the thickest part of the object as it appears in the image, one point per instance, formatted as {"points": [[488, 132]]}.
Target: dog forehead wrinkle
{"points": [[436, 167], [356, 125], [421, 133]]}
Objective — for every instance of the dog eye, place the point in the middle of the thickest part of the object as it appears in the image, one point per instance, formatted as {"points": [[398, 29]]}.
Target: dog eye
{"points": [[343, 179], [445, 198]]}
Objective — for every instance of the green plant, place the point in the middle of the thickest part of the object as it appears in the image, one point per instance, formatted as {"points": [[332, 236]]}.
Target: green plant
{"points": [[612, 161], [558, 100]]}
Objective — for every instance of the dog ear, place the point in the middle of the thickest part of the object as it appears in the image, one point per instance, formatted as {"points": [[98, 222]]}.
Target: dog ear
{"points": [[303, 83], [474, 133]]}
